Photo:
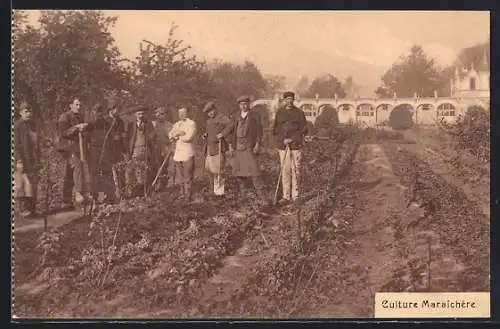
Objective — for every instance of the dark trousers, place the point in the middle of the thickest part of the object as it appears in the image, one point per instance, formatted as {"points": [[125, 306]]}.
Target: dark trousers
{"points": [[185, 172], [76, 177]]}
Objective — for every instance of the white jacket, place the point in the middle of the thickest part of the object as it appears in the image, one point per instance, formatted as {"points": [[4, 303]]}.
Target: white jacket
{"points": [[184, 148]]}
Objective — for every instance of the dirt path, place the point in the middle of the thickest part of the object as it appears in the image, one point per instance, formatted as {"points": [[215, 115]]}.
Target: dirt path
{"points": [[371, 258], [56, 220]]}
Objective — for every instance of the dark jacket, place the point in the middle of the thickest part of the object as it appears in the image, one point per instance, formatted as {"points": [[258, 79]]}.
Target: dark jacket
{"points": [[219, 124], [115, 142], [25, 150], [68, 134], [150, 135], [289, 123], [254, 132]]}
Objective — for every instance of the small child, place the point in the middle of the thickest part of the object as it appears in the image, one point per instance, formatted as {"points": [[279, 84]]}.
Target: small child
{"points": [[23, 190]]}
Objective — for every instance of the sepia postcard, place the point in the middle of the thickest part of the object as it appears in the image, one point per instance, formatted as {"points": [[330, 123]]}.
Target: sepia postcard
{"points": [[250, 164]]}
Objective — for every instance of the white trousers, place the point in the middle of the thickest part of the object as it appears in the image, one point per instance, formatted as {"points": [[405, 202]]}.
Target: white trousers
{"points": [[290, 165]]}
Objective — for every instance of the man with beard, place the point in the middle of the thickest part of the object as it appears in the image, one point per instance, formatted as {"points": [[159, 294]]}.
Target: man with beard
{"points": [[141, 157], [289, 130], [218, 128], [245, 143], [162, 126], [109, 149], [183, 133], [28, 160], [73, 131]]}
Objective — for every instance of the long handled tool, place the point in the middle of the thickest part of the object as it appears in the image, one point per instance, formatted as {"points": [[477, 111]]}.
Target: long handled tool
{"points": [[83, 166], [219, 188], [160, 170], [103, 147], [281, 174]]}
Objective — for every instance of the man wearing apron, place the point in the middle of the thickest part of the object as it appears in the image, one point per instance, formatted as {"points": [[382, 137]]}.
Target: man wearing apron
{"points": [[245, 146], [218, 128]]}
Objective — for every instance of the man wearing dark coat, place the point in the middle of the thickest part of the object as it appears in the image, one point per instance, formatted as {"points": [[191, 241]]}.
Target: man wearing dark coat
{"points": [[245, 143], [289, 130], [218, 128], [108, 149], [77, 177], [163, 127], [28, 160], [141, 147]]}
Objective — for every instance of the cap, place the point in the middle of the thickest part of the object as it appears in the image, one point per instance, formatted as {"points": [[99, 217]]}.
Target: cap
{"points": [[242, 99], [209, 107], [289, 94], [139, 109]]}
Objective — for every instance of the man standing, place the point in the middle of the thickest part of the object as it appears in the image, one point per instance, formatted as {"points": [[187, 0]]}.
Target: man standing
{"points": [[289, 130], [245, 145], [140, 153], [110, 149], [28, 160], [183, 133], [73, 145], [218, 127], [163, 127]]}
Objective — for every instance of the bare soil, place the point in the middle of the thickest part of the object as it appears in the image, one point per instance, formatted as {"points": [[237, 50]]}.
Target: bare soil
{"points": [[379, 214]]}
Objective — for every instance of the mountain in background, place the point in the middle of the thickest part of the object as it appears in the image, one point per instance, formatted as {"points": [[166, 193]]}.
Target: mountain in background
{"points": [[366, 76]]}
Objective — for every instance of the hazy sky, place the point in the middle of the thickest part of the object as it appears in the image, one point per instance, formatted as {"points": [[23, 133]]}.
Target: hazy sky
{"points": [[298, 43]]}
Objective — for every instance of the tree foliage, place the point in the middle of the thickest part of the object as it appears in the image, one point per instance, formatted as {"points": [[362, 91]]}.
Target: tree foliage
{"points": [[414, 73], [71, 54], [232, 80], [326, 86]]}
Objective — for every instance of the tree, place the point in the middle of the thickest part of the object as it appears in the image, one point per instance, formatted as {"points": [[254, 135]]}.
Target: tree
{"points": [[302, 85], [167, 75], [230, 81], [326, 86], [415, 73], [275, 84], [351, 89], [71, 54]]}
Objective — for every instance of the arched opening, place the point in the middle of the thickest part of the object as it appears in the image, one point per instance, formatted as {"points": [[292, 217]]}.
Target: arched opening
{"points": [[326, 121], [382, 112], [424, 114], [365, 110], [343, 108], [309, 111], [346, 113], [446, 110], [476, 114], [472, 84], [401, 117]]}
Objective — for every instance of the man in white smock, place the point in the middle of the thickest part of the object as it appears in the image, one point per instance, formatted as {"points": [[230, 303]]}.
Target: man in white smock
{"points": [[183, 132]]}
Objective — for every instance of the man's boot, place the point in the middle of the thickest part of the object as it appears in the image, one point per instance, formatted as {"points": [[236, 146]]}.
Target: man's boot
{"points": [[187, 192]]}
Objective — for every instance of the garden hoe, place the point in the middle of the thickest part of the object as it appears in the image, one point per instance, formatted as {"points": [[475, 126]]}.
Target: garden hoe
{"points": [[218, 183], [84, 202], [160, 170], [282, 168]]}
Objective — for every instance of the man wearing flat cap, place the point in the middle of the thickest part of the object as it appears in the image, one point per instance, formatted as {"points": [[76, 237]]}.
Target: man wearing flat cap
{"points": [[289, 130], [245, 142], [163, 127], [183, 133], [141, 156], [218, 128]]}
